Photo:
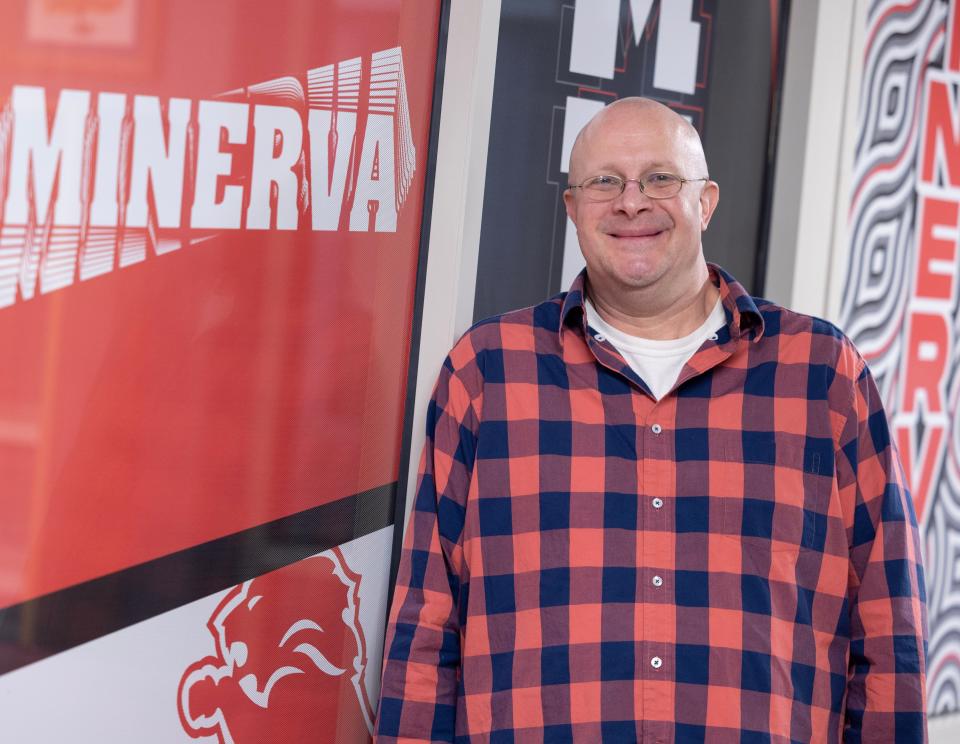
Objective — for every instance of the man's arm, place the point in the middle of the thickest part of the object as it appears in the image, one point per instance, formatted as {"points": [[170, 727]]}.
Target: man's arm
{"points": [[888, 624], [422, 645]]}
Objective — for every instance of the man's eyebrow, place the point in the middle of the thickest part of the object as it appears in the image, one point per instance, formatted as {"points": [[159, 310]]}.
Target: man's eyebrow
{"points": [[653, 167]]}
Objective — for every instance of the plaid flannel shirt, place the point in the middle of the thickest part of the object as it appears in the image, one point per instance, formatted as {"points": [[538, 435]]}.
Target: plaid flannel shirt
{"points": [[737, 562]]}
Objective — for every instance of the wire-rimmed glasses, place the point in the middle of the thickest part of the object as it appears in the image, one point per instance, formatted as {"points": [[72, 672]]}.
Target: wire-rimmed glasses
{"points": [[655, 185]]}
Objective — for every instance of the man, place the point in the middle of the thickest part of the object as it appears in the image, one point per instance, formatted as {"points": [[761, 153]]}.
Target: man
{"points": [[654, 508]]}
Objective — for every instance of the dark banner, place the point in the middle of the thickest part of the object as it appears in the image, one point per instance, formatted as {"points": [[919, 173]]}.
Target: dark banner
{"points": [[559, 63]]}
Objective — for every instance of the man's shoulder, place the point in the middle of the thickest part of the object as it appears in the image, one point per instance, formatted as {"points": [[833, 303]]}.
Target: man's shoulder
{"points": [[488, 350], [826, 342], [782, 320], [514, 328]]}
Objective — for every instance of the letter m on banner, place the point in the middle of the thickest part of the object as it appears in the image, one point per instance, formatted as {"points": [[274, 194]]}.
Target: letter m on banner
{"points": [[46, 158], [596, 25]]}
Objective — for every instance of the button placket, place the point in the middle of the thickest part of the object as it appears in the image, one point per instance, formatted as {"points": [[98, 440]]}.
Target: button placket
{"points": [[655, 436]]}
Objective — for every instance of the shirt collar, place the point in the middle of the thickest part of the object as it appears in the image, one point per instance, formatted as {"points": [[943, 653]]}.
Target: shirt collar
{"points": [[743, 317]]}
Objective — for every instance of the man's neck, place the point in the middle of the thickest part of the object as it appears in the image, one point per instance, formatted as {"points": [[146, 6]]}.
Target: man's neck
{"points": [[646, 313]]}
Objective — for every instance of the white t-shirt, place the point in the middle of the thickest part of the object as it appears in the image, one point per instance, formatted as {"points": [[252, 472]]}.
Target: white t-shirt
{"points": [[657, 363]]}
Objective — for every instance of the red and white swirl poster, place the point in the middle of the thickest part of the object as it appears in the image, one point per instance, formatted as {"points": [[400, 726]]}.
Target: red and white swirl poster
{"points": [[209, 233]]}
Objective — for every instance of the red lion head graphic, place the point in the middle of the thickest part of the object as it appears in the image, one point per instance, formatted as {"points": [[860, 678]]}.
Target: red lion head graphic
{"points": [[290, 663]]}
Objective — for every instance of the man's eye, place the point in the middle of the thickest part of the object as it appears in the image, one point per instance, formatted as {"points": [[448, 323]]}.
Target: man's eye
{"points": [[660, 179], [603, 182]]}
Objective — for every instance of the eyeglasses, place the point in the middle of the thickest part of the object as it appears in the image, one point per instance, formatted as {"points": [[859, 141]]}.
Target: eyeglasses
{"points": [[654, 185]]}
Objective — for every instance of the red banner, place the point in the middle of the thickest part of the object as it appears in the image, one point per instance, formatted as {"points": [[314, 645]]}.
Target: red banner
{"points": [[209, 234], [209, 229]]}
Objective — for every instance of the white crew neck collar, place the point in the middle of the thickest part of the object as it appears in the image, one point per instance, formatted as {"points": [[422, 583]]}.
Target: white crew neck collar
{"points": [[657, 347]]}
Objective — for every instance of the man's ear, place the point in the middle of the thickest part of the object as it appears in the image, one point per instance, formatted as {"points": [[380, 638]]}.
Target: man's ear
{"points": [[568, 202], [709, 196]]}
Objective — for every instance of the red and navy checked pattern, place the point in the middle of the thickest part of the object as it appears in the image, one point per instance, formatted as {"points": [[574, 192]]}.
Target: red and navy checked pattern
{"points": [[738, 562]]}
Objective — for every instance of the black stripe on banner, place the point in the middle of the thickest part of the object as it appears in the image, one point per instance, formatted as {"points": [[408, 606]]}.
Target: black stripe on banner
{"points": [[56, 622]]}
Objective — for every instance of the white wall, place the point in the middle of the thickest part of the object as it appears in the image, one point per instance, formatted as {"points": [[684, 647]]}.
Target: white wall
{"points": [[808, 233], [457, 199]]}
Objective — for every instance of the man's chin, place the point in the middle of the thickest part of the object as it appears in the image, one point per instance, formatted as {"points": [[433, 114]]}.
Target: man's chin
{"points": [[636, 273], [637, 282], [625, 281], [639, 275]]}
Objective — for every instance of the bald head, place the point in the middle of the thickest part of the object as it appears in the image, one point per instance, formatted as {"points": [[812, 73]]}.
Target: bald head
{"points": [[640, 115]]}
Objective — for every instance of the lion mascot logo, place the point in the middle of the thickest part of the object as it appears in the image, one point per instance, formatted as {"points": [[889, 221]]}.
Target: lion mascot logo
{"points": [[290, 664]]}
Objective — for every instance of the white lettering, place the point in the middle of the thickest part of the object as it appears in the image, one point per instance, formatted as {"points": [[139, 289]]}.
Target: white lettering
{"points": [[577, 113], [595, 37], [329, 177], [62, 152], [95, 184], [376, 189], [216, 117], [678, 48], [158, 159], [110, 109], [270, 167], [593, 48], [19, 261], [639, 14]]}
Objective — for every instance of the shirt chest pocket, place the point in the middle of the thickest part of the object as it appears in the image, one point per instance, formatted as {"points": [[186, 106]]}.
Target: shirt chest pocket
{"points": [[775, 490]]}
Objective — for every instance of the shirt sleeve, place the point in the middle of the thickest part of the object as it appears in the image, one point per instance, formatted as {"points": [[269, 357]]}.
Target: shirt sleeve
{"points": [[420, 677], [887, 605]]}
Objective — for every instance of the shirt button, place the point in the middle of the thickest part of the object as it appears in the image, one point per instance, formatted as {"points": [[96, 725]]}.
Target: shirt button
{"points": [[600, 337], [657, 502], [657, 581], [714, 337], [656, 428], [656, 662]]}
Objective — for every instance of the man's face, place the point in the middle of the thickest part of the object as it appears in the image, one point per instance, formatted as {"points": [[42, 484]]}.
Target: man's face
{"points": [[633, 241]]}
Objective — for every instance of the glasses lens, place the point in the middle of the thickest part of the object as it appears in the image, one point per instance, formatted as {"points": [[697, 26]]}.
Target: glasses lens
{"points": [[661, 185], [603, 187]]}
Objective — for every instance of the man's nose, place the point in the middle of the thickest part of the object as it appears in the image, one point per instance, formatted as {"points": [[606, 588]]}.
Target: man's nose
{"points": [[632, 199]]}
